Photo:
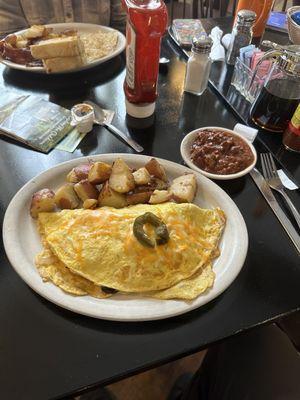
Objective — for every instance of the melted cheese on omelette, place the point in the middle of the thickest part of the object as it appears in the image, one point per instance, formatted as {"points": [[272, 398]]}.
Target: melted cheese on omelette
{"points": [[190, 288], [99, 245], [52, 269]]}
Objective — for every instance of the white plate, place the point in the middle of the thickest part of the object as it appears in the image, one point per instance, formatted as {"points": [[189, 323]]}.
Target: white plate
{"points": [[81, 28], [185, 150], [22, 243]]}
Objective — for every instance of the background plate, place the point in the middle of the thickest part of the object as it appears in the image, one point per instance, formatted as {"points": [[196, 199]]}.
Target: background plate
{"points": [[22, 243], [81, 28]]}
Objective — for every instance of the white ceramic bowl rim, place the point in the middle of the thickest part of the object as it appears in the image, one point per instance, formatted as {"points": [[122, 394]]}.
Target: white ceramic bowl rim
{"points": [[191, 164]]}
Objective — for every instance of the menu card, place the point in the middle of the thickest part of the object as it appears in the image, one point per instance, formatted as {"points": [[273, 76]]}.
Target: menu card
{"points": [[32, 120], [186, 29]]}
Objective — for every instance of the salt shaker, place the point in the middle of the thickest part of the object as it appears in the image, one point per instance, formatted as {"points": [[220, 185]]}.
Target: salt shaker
{"points": [[198, 65], [241, 35]]}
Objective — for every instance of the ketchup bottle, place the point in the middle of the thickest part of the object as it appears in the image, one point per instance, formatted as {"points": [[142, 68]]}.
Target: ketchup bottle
{"points": [[146, 24]]}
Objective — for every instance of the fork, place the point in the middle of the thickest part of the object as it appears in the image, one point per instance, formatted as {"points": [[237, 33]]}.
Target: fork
{"points": [[271, 176]]}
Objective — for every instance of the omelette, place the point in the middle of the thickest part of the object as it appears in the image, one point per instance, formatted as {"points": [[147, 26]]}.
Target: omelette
{"points": [[190, 288], [52, 269], [85, 250]]}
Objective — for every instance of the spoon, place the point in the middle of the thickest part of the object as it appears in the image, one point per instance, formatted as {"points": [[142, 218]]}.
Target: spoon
{"points": [[164, 60], [101, 119]]}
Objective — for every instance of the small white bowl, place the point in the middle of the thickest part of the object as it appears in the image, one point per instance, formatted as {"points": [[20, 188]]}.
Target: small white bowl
{"points": [[185, 150]]}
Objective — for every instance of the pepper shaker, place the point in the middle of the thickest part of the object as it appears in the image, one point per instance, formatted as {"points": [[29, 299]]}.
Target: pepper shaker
{"points": [[241, 35], [198, 65]]}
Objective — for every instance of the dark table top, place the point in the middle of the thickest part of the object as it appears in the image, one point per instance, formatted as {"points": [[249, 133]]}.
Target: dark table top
{"points": [[47, 352]]}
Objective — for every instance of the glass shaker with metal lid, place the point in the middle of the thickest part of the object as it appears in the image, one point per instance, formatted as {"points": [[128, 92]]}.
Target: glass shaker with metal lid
{"points": [[198, 65], [241, 35], [280, 95]]}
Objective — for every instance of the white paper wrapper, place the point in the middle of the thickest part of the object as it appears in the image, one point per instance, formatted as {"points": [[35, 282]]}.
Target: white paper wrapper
{"points": [[217, 51], [226, 40], [247, 132], [286, 180]]}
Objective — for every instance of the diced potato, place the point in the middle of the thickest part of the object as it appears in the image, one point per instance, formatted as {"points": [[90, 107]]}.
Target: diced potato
{"points": [[184, 188], [66, 197], [138, 198], [154, 168], [42, 201], [79, 173], [85, 190], [141, 176], [110, 198], [90, 203], [121, 179], [158, 184], [160, 196], [99, 173], [154, 184]]}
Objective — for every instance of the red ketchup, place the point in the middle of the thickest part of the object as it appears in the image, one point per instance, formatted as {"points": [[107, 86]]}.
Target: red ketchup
{"points": [[146, 24]]}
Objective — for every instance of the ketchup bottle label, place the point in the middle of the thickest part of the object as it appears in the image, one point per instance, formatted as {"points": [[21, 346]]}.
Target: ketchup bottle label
{"points": [[130, 56]]}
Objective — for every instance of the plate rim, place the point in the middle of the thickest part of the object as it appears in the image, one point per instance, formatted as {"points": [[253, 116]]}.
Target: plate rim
{"points": [[94, 63], [41, 287]]}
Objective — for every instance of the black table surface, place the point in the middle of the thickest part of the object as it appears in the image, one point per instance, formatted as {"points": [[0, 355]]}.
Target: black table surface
{"points": [[47, 352]]}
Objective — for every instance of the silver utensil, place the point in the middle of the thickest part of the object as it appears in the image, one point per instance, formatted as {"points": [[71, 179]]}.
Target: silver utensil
{"points": [[271, 176], [164, 60], [265, 190], [101, 118]]}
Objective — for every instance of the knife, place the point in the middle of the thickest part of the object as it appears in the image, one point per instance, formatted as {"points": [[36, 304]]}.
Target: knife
{"points": [[271, 200]]}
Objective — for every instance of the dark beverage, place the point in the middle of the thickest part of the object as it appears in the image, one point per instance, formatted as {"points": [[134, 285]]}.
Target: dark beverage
{"points": [[273, 112]]}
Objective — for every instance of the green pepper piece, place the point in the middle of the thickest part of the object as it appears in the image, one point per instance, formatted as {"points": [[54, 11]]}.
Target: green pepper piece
{"points": [[161, 230], [139, 233]]}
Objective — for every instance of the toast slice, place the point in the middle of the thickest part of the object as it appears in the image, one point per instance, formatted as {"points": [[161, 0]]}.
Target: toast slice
{"points": [[36, 31], [60, 64], [69, 46]]}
